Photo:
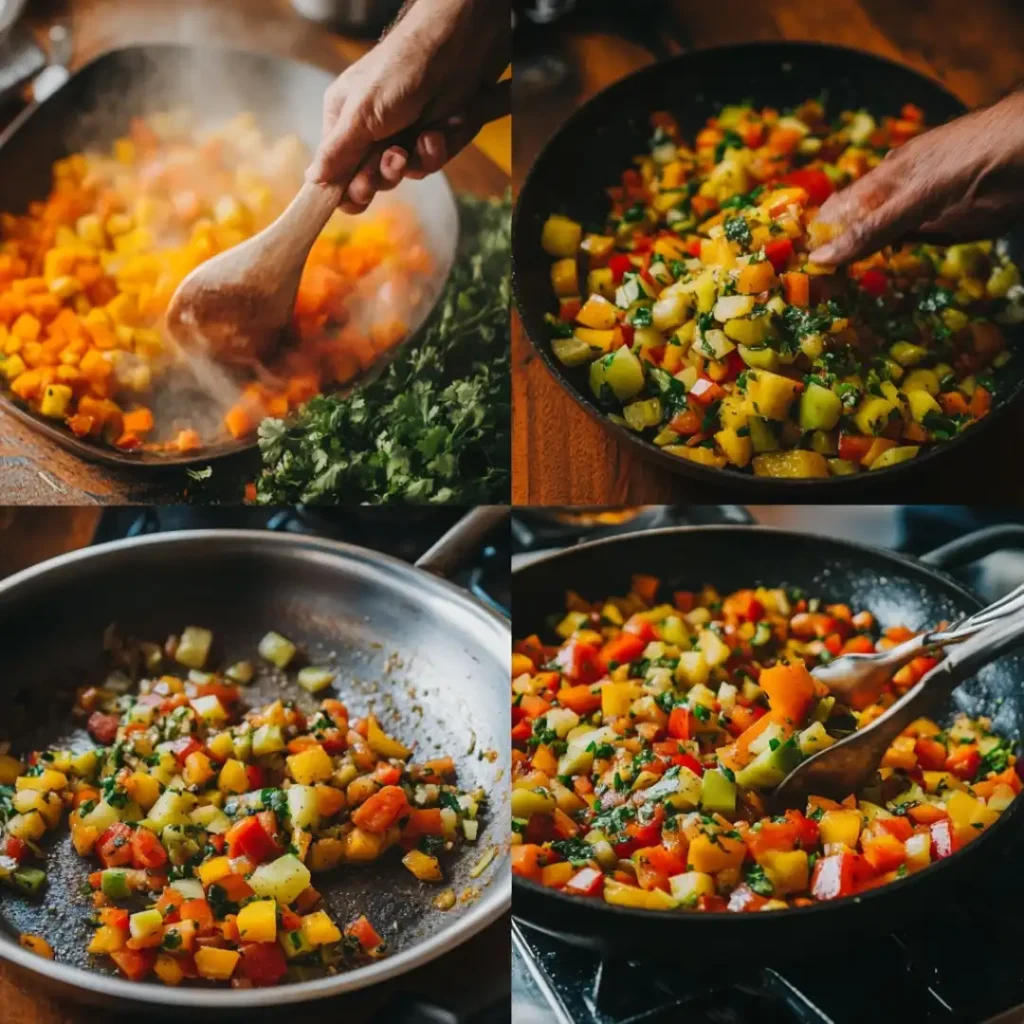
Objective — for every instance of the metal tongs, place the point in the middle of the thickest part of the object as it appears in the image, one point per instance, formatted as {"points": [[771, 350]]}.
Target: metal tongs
{"points": [[844, 767]]}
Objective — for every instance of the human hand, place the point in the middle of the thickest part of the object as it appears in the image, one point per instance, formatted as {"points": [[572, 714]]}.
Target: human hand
{"points": [[959, 182], [432, 81]]}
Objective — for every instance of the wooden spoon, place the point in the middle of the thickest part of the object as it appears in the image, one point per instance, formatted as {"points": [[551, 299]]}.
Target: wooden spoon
{"points": [[235, 306]]}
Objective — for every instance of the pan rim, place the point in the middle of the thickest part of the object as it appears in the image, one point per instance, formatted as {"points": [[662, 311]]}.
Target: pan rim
{"points": [[143, 462], [592, 910], [728, 477], [495, 899]]}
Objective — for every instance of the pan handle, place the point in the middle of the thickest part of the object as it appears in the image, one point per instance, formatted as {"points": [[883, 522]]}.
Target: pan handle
{"points": [[975, 546], [452, 550]]}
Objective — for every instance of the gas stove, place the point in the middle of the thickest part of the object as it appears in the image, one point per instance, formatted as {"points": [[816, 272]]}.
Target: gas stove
{"points": [[922, 972]]}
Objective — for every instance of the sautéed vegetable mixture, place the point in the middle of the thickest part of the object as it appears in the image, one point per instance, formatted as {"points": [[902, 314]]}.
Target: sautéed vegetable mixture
{"points": [[645, 741], [208, 821], [707, 329]]}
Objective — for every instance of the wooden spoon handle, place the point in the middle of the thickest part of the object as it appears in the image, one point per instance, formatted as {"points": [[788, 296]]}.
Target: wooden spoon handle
{"points": [[307, 214]]}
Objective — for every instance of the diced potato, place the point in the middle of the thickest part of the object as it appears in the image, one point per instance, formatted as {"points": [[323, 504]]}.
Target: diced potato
{"points": [[313, 679], [267, 739], [771, 394], [687, 888], [840, 827], [282, 879], [210, 709], [193, 647], [303, 806]]}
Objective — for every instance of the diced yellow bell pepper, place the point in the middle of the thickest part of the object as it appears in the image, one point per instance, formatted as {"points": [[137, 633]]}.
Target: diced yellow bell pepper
{"points": [[788, 872], [257, 921], [617, 697], [311, 765], [383, 744], [319, 930], [840, 827], [214, 870], [44, 781], [710, 856], [218, 964], [168, 969], [144, 789], [233, 777], [361, 845], [107, 939], [623, 895], [423, 866], [56, 399], [560, 236]]}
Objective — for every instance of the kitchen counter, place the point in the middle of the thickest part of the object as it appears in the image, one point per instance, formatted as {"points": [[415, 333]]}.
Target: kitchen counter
{"points": [[560, 454], [33, 470]]}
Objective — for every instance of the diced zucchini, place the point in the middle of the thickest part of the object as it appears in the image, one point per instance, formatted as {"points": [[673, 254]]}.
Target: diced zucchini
{"points": [[820, 408], [572, 351], [277, 649]]}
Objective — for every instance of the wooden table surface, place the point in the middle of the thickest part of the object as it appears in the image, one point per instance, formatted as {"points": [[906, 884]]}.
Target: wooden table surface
{"points": [[560, 454], [33, 470]]}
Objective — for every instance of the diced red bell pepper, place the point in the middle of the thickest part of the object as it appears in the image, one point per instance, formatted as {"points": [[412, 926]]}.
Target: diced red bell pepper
{"points": [[680, 723], [579, 662], [963, 761], [692, 247], [834, 876], [146, 850], [931, 754], [686, 421], [134, 964], [587, 882], [227, 695], [711, 904], [688, 761], [248, 838], [15, 848], [114, 846], [624, 648], [583, 699], [522, 731], [897, 826], [102, 727], [256, 775], [883, 852], [783, 836], [365, 933], [743, 899], [569, 309], [619, 265], [263, 963], [874, 281], [705, 391], [858, 645], [185, 746], [944, 842], [666, 861], [815, 183], [778, 252], [640, 627], [853, 447]]}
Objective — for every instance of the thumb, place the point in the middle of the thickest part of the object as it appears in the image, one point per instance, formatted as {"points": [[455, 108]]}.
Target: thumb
{"points": [[342, 150]]}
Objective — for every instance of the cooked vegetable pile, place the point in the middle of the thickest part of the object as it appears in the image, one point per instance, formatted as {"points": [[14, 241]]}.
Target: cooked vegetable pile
{"points": [[209, 821], [86, 277], [707, 329], [436, 426], [644, 742]]}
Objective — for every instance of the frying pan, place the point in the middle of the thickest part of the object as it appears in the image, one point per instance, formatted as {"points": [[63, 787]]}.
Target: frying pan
{"points": [[427, 657], [589, 152], [898, 589], [95, 106]]}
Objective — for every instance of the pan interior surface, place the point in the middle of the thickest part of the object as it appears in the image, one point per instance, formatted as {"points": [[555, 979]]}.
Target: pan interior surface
{"points": [[96, 106], [428, 661], [590, 151]]}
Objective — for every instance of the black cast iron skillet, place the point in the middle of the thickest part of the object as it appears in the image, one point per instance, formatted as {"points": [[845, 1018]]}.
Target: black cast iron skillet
{"points": [[430, 660], [898, 590], [95, 106], [589, 152]]}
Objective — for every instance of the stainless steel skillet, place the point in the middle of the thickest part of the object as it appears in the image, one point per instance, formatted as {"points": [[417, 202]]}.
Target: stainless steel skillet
{"points": [[428, 658]]}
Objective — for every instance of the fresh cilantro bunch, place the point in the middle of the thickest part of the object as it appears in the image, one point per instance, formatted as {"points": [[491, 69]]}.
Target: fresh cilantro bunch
{"points": [[436, 425]]}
